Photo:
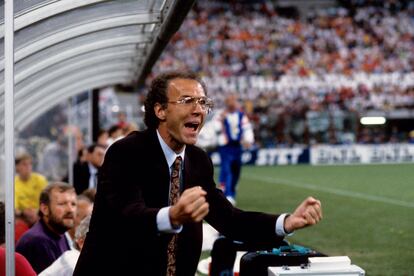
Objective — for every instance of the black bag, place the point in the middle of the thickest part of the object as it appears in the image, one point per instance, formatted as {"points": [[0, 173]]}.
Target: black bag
{"points": [[223, 254], [256, 263]]}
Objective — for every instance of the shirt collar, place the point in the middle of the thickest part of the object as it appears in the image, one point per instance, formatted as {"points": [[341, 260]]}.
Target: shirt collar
{"points": [[170, 155]]}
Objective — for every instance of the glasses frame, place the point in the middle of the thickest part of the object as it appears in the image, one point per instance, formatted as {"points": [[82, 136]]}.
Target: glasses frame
{"points": [[188, 100]]}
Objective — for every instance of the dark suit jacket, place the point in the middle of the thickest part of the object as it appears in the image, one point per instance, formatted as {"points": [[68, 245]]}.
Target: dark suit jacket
{"points": [[133, 185], [81, 176]]}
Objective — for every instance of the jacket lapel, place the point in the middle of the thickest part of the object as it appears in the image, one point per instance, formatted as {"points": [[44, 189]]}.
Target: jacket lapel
{"points": [[187, 169], [160, 174]]}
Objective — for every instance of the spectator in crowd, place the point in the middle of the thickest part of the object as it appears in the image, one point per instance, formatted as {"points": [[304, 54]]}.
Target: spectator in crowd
{"points": [[90, 193], [82, 155], [234, 133], [45, 241], [156, 219], [27, 185], [22, 266], [66, 263], [102, 137], [54, 164], [130, 127], [122, 120], [84, 208], [85, 173], [115, 132]]}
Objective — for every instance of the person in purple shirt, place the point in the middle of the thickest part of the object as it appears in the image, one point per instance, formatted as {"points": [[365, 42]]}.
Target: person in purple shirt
{"points": [[45, 241]]}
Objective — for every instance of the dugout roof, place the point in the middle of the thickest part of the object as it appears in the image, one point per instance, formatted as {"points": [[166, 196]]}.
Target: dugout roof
{"points": [[65, 47]]}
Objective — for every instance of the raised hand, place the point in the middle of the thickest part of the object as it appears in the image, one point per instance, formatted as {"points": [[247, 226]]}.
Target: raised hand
{"points": [[309, 212]]}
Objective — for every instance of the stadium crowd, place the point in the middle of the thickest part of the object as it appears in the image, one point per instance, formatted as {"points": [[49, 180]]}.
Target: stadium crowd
{"points": [[226, 40]]}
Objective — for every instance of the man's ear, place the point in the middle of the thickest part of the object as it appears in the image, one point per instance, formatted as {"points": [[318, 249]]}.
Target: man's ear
{"points": [[159, 111], [44, 209]]}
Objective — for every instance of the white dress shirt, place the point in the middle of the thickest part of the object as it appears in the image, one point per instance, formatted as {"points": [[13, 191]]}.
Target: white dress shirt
{"points": [[163, 216], [92, 176]]}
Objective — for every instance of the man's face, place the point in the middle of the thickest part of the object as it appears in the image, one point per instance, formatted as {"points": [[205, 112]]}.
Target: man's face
{"points": [[232, 102], [97, 156], [24, 168], [61, 212], [84, 209], [180, 124]]}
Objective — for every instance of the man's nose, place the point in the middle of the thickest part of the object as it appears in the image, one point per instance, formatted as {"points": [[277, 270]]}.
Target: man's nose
{"points": [[71, 208]]}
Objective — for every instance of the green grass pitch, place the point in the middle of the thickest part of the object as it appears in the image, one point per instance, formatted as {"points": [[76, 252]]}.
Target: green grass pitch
{"points": [[368, 210]]}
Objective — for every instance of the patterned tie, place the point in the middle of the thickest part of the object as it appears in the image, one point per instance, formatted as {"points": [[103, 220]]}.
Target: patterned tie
{"points": [[174, 194]]}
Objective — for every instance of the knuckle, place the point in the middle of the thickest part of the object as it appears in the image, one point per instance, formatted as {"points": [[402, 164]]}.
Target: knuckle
{"points": [[187, 209]]}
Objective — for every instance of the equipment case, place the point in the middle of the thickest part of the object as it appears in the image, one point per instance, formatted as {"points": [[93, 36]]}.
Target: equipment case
{"points": [[257, 263]]}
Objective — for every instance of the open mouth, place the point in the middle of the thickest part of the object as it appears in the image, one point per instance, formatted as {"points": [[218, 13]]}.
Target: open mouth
{"points": [[192, 125]]}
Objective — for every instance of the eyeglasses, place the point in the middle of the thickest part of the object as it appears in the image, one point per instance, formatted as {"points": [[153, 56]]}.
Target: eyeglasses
{"points": [[205, 103]]}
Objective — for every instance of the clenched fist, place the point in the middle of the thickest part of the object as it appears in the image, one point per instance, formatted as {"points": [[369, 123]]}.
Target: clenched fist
{"points": [[190, 207], [309, 212]]}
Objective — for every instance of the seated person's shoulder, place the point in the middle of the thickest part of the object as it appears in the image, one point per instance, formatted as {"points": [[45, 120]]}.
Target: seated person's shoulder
{"points": [[41, 179], [34, 236]]}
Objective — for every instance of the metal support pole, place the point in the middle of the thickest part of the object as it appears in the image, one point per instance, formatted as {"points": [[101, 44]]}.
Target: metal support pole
{"points": [[9, 132], [71, 136]]}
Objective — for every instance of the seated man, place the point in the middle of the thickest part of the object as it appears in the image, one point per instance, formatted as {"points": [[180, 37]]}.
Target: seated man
{"points": [[45, 241], [85, 173], [28, 186], [84, 207], [66, 263]]}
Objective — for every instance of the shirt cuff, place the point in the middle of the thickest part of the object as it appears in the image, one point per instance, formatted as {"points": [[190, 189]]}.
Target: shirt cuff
{"points": [[280, 229], [164, 223]]}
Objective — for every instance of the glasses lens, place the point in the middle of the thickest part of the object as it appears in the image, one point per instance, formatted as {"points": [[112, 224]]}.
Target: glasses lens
{"points": [[188, 100], [202, 102]]}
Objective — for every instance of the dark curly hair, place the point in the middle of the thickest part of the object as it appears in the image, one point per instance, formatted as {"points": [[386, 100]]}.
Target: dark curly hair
{"points": [[158, 93]]}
